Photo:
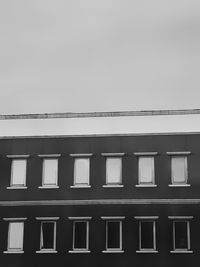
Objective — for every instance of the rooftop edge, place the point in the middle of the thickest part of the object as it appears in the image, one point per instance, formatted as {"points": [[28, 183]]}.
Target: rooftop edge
{"points": [[100, 114]]}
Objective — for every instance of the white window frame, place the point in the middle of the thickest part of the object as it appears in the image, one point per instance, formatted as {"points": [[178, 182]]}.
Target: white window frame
{"points": [[183, 154], [113, 156], [46, 157], [185, 219], [48, 220], [147, 219], [141, 155], [85, 220], [14, 250], [15, 158], [76, 157], [114, 219]]}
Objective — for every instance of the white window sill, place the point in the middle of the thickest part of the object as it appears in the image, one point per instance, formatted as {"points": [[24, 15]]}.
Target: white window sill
{"points": [[145, 185], [146, 251], [48, 187], [113, 251], [79, 251], [46, 251], [80, 186], [113, 185], [179, 185], [16, 187], [181, 251], [13, 252]]}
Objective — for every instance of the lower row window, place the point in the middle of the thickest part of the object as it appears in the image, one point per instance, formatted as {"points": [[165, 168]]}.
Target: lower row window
{"points": [[15, 236], [48, 236], [80, 234], [181, 235], [147, 235], [113, 234]]}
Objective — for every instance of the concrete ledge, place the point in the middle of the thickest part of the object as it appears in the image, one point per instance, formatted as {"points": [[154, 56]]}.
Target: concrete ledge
{"points": [[146, 251], [79, 251], [113, 251], [46, 251]]}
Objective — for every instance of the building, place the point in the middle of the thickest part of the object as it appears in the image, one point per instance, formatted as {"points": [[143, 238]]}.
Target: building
{"points": [[100, 189]]}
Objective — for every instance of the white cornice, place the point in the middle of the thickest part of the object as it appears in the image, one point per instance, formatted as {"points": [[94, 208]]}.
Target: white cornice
{"points": [[117, 124]]}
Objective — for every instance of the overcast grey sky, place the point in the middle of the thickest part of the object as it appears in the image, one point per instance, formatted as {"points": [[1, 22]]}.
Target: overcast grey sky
{"points": [[105, 55]]}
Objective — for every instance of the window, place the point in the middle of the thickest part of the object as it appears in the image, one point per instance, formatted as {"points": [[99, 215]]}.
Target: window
{"points": [[18, 171], [179, 170], [18, 176], [81, 170], [50, 172], [47, 235], [80, 234], [147, 234], [181, 234], [15, 235], [146, 170], [113, 234], [113, 171]]}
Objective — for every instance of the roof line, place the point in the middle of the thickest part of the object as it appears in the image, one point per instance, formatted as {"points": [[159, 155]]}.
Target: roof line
{"points": [[100, 114], [95, 135]]}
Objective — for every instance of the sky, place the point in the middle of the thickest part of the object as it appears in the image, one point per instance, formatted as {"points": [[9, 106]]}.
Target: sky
{"points": [[99, 55]]}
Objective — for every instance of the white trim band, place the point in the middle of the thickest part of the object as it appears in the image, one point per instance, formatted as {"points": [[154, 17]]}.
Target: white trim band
{"points": [[180, 217], [79, 218], [112, 217], [147, 251], [178, 153], [49, 155], [146, 217], [181, 251], [112, 251], [15, 219], [17, 156], [47, 218], [113, 154], [46, 251], [13, 252], [145, 153], [81, 155], [79, 251]]}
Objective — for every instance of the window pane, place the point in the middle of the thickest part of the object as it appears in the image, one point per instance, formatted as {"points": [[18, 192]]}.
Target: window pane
{"points": [[113, 170], [113, 235], [18, 172], [80, 232], [179, 169], [146, 170], [181, 241], [16, 231], [47, 235], [50, 171], [146, 235], [81, 171]]}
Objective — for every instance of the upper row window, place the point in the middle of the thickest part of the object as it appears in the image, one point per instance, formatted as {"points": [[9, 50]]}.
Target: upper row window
{"points": [[18, 172], [146, 170], [49, 172]]}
